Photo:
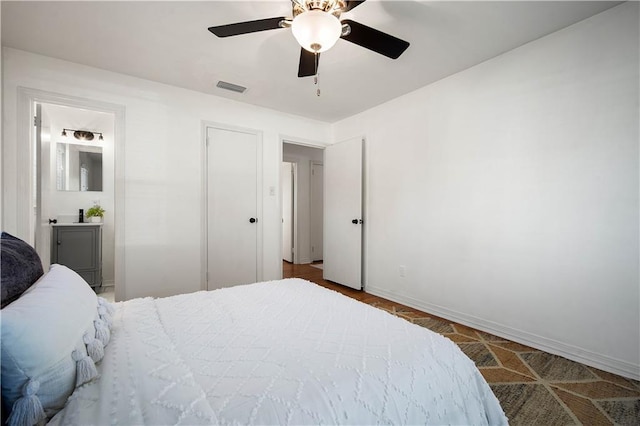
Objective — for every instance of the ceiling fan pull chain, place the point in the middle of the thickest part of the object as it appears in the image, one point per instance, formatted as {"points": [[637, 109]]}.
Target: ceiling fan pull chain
{"points": [[316, 79]]}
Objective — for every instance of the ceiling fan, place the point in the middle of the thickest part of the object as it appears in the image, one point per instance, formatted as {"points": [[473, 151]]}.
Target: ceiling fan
{"points": [[316, 25]]}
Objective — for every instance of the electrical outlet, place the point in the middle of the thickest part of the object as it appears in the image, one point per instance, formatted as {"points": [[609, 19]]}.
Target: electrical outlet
{"points": [[402, 270]]}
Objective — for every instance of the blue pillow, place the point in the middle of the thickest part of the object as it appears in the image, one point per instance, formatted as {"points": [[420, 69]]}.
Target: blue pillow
{"points": [[43, 336], [21, 267]]}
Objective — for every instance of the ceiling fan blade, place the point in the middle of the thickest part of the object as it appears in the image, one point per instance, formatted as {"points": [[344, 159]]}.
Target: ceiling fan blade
{"points": [[353, 3], [308, 63], [247, 27], [372, 39]]}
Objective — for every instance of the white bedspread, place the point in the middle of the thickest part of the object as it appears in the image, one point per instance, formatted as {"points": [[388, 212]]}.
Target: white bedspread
{"points": [[281, 352]]}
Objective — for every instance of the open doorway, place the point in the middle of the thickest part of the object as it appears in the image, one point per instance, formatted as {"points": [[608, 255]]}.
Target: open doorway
{"points": [[73, 171], [302, 211], [32, 130]]}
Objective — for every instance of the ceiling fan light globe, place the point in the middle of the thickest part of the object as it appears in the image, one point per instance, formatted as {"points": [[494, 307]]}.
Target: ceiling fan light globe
{"points": [[316, 31]]}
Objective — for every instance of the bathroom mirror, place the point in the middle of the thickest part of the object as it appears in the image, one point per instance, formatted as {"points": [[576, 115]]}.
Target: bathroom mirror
{"points": [[78, 167]]}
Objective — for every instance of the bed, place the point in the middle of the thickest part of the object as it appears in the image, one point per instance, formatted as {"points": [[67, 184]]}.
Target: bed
{"points": [[279, 352]]}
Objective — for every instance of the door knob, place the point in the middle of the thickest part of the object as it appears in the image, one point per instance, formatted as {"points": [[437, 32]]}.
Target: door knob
{"points": [[354, 221], [53, 221], [253, 220]]}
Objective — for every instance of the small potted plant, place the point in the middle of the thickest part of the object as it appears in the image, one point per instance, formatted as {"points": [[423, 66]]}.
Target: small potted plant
{"points": [[95, 214]]}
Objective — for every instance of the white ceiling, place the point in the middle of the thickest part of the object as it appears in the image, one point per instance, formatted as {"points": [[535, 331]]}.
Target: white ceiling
{"points": [[168, 42]]}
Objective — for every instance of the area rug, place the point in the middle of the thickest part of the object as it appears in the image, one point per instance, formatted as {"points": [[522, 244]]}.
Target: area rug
{"points": [[535, 387]]}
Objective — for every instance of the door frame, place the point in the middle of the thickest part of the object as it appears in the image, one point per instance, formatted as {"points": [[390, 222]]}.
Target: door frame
{"points": [[293, 141], [204, 219], [294, 213], [25, 163]]}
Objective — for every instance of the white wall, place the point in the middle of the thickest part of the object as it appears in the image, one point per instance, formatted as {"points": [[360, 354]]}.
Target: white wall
{"points": [[510, 193], [163, 165]]}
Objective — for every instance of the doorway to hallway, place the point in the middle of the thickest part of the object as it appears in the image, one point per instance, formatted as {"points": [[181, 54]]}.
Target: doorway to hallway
{"points": [[302, 203]]}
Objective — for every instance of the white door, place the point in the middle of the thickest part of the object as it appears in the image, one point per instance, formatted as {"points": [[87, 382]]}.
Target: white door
{"points": [[287, 211], [233, 207], [343, 213], [316, 201]]}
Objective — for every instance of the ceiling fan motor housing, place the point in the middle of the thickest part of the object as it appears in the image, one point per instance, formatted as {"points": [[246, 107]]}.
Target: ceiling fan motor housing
{"points": [[334, 7]]}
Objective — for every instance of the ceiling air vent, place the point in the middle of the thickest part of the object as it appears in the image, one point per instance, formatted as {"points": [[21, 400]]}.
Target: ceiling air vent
{"points": [[230, 86]]}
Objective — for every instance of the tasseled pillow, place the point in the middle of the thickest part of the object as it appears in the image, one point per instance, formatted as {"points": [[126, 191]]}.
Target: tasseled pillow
{"points": [[49, 345], [102, 331], [95, 348], [27, 410], [85, 367]]}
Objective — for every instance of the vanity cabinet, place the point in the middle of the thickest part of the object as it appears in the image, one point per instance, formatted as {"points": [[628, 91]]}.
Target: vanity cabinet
{"points": [[79, 247]]}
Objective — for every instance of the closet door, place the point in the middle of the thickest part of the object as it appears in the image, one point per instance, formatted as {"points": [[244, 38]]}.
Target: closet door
{"points": [[234, 225]]}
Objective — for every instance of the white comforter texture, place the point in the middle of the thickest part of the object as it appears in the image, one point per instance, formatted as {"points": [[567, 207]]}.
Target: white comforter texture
{"points": [[276, 353]]}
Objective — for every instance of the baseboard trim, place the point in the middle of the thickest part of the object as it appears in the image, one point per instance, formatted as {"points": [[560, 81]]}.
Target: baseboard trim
{"points": [[574, 353]]}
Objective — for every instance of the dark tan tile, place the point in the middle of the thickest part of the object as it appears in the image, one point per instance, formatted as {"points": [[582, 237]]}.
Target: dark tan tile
{"points": [[401, 310], [467, 331], [381, 304], [531, 404], [516, 347], [555, 368], [511, 360], [582, 408], [412, 315], [384, 309], [599, 390], [490, 337], [434, 325], [459, 338], [500, 375], [618, 380], [479, 354], [623, 412]]}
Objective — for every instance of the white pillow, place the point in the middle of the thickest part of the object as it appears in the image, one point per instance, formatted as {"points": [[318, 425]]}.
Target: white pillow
{"points": [[40, 331]]}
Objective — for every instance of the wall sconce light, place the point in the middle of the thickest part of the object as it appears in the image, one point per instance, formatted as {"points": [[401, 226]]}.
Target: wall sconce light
{"points": [[82, 135]]}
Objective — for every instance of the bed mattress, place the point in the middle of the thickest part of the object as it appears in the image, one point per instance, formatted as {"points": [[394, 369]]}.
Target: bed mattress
{"points": [[280, 352]]}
